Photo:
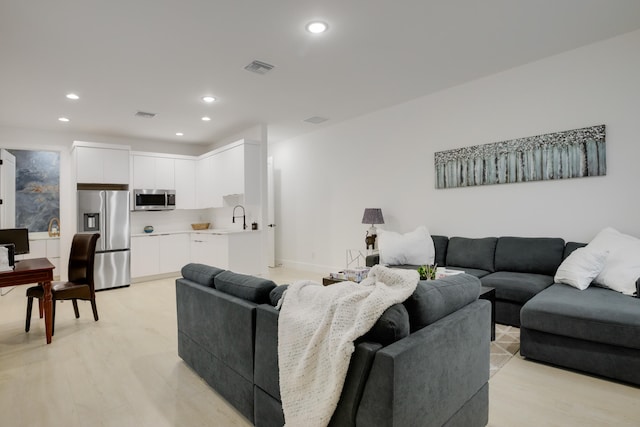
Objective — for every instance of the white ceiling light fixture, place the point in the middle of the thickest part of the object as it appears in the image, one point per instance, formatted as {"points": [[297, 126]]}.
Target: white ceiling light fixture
{"points": [[179, 134], [72, 96], [208, 99], [206, 119], [63, 119], [317, 27]]}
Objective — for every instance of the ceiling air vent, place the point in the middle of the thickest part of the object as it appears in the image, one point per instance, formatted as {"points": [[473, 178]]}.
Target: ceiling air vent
{"points": [[145, 115], [259, 67], [315, 120]]}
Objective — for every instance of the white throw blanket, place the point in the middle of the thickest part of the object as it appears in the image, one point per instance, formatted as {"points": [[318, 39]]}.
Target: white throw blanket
{"points": [[316, 330]]}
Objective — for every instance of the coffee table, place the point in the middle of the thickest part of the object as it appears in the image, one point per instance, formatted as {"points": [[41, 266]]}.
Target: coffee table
{"points": [[328, 280]]}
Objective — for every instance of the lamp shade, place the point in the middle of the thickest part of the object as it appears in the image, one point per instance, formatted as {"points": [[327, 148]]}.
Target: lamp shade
{"points": [[372, 216]]}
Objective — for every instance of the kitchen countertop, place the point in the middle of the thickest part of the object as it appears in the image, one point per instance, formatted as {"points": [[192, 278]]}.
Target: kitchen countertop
{"points": [[208, 231], [42, 235]]}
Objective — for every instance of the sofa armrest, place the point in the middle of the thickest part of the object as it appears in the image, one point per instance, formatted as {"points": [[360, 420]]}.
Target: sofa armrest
{"points": [[432, 373], [372, 260]]}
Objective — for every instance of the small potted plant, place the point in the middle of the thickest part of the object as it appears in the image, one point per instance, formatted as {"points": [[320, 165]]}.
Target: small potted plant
{"points": [[428, 272]]}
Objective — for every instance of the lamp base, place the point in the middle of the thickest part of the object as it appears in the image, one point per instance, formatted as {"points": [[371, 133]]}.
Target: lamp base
{"points": [[370, 238]]}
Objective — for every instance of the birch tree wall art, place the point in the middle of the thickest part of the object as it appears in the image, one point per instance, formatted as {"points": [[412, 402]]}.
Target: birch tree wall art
{"points": [[561, 155]]}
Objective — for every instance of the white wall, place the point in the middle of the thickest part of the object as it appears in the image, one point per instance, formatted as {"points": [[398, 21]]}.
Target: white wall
{"points": [[324, 180]]}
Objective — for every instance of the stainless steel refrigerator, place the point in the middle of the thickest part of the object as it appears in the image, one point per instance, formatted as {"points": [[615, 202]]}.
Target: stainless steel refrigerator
{"points": [[107, 212]]}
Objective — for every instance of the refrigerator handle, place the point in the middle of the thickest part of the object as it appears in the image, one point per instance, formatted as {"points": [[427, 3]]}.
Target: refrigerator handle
{"points": [[103, 221]]}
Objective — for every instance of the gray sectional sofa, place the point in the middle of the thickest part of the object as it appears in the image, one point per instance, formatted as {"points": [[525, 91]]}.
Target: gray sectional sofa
{"points": [[517, 267], [425, 362], [596, 330]]}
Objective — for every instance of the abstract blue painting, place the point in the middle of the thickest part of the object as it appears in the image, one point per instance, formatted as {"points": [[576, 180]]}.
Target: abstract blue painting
{"points": [[37, 188]]}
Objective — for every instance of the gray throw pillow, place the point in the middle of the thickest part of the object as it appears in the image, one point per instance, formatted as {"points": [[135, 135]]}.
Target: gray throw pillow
{"points": [[276, 294], [392, 326]]}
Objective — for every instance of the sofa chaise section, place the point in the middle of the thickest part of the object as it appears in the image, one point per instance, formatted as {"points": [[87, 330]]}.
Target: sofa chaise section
{"points": [[595, 330]]}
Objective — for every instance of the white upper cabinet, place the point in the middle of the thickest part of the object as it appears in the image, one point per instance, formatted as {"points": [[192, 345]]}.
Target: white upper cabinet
{"points": [[230, 170], [152, 172], [204, 183], [101, 163], [185, 178]]}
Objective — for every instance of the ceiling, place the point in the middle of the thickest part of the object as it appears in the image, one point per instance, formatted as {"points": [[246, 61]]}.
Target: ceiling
{"points": [[162, 56]]}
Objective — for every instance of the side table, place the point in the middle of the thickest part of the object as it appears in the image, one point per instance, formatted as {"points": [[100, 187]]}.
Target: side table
{"points": [[489, 294]]}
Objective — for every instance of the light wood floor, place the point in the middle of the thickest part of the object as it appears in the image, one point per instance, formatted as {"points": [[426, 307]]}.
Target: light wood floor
{"points": [[124, 371]]}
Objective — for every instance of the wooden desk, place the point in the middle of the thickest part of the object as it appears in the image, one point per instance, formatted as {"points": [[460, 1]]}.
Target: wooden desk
{"points": [[36, 270]]}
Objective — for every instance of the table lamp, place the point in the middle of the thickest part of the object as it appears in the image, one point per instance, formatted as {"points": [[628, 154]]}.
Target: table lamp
{"points": [[372, 216]]}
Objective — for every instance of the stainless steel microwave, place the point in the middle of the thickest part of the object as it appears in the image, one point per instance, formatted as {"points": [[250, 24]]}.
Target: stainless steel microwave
{"points": [[154, 200]]}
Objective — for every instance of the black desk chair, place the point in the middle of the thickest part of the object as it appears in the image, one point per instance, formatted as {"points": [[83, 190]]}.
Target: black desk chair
{"points": [[80, 285]]}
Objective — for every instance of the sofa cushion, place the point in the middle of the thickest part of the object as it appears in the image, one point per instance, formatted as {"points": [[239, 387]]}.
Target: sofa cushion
{"points": [[250, 288], [594, 314], [472, 271], [434, 299], [392, 326], [200, 273], [570, 247], [440, 244], [517, 287], [276, 294], [536, 255], [471, 253]]}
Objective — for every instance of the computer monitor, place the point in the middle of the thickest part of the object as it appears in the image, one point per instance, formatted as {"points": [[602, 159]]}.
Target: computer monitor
{"points": [[18, 236]]}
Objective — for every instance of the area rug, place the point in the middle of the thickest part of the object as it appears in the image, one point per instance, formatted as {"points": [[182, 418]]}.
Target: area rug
{"points": [[505, 346]]}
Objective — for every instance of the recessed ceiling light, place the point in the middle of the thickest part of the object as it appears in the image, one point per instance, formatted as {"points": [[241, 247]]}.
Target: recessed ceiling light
{"points": [[72, 96], [206, 119], [317, 27], [63, 119], [208, 99], [179, 134]]}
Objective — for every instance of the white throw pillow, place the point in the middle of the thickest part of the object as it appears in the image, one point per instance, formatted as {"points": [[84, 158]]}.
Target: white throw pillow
{"points": [[581, 267], [622, 267], [413, 248]]}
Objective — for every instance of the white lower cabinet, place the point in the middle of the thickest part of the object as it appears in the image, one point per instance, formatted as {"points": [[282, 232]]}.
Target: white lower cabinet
{"points": [[238, 252], [158, 254], [173, 252], [168, 253], [210, 249], [145, 256]]}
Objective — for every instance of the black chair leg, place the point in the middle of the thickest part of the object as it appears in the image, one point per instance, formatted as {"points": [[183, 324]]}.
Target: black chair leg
{"points": [[75, 308], [53, 318], [27, 325], [95, 309]]}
